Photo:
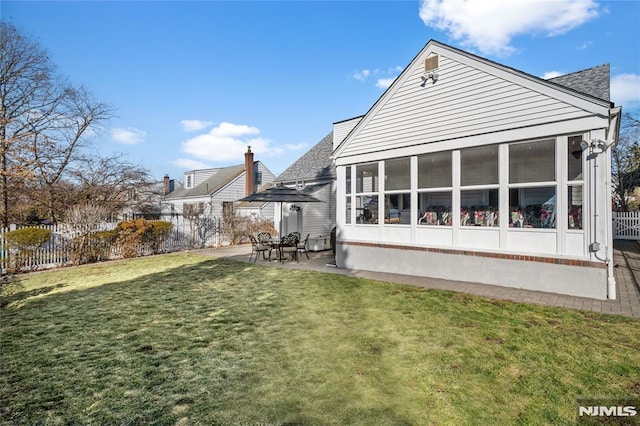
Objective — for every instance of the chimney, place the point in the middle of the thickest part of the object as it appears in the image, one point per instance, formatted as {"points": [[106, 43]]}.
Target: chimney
{"points": [[165, 187], [249, 172]]}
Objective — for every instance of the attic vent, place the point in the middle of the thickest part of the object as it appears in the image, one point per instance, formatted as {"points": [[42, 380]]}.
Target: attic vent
{"points": [[431, 63]]}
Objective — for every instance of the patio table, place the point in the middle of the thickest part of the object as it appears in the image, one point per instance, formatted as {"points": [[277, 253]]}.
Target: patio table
{"points": [[276, 244]]}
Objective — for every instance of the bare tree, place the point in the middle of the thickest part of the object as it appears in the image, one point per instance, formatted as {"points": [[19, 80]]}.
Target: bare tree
{"points": [[82, 220], [625, 157], [44, 121], [115, 183], [201, 222]]}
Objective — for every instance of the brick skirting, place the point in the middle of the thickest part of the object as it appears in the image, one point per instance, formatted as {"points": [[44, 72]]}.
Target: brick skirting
{"points": [[525, 258]]}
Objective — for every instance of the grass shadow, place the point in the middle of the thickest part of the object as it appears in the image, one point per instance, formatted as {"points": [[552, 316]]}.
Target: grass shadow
{"points": [[8, 296]]}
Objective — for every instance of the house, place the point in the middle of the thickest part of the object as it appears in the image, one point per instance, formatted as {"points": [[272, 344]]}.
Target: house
{"points": [[207, 192], [145, 201], [314, 174], [470, 170]]}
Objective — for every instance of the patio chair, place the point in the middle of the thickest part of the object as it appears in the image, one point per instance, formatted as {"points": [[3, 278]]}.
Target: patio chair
{"points": [[264, 236], [302, 246], [258, 247], [290, 245]]}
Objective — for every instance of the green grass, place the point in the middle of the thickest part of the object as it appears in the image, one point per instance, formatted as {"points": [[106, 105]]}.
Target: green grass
{"points": [[185, 339]]}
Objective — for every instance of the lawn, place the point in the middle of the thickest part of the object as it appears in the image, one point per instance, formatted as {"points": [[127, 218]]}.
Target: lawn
{"points": [[186, 339]]}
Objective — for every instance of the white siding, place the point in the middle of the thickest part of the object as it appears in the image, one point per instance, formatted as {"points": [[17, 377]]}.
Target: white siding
{"points": [[233, 191], [320, 218], [464, 101], [317, 218], [202, 175], [267, 176], [342, 129]]}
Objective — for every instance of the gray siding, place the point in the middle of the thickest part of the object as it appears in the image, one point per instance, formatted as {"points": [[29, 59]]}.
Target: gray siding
{"points": [[267, 176], [342, 129], [231, 192], [464, 101], [319, 218]]}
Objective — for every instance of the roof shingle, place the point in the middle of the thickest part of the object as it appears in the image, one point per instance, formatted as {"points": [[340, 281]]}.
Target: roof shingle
{"points": [[315, 163]]}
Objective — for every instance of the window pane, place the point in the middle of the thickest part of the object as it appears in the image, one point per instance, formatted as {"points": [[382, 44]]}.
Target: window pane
{"points": [[575, 207], [397, 208], [348, 180], [397, 174], [348, 210], [532, 207], [434, 170], [574, 162], [479, 166], [479, 208], [434, 208], [367, 209], [367, 177], [532, 162]]}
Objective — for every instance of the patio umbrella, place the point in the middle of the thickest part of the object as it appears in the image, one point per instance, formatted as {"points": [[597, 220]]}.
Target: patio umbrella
{"points": [[281, 194]]}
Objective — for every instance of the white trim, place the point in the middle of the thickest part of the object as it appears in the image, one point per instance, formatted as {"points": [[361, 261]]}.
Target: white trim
{"points": [[548, 130]]}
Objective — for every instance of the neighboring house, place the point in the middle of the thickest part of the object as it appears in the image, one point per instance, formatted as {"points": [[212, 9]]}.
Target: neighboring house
{"points": [[145, 201], [314, 174], [208, 192], [470, 170]]}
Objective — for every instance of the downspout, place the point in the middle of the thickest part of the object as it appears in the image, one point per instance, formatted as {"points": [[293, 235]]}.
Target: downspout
{"points": [[612, 138]]}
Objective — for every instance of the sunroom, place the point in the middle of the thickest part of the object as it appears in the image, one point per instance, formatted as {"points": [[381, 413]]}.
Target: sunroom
{"points": [[519, 198]]}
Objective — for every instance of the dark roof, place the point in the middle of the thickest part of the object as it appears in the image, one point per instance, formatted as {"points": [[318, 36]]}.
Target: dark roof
{"points": [[592, 81], [212, 184], [316, 163]]}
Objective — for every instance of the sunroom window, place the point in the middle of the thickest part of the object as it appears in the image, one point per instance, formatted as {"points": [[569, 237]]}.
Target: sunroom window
{"points": [[479, 186], [435, 189], [575, 182], [532, 186], [367, 187], [397, 198]]}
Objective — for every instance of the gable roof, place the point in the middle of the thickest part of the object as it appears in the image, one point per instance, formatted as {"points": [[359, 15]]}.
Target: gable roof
{"points": [[212, 184], [592, 81], [315, 163], [482, 71]]}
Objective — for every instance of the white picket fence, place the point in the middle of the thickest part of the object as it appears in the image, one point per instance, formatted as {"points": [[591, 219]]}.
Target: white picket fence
{"points": [[626, 225], [57, 251]]}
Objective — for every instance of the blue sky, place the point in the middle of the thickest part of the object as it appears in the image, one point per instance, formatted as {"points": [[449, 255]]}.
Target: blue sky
{"points": [[194, 83]]}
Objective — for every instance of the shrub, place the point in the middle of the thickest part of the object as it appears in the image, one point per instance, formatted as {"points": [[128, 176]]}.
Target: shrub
{"points": [[132, 234], [159, 232], [100, 243], [23, 244]]}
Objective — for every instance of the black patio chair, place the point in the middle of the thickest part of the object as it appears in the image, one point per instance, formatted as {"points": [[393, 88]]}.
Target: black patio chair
{"points": [[289, 244], [258, 247], [302, 246]]}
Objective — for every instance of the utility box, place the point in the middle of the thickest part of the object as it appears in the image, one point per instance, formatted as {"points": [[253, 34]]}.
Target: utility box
{"points": [[319, 243]]}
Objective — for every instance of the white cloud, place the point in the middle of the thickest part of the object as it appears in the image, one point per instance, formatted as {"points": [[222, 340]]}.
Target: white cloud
{"points": [[625, 90], [552, 74], [490, 25], [228, 142], [383, 78], [189, 164], [128, 136], [294, 147], [361, 75], [195, 125], [384, 83], [585, 45]]}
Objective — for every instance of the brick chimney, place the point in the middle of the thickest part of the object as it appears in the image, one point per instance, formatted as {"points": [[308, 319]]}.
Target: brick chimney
{"points": [[166, 185], [249, 172]]}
